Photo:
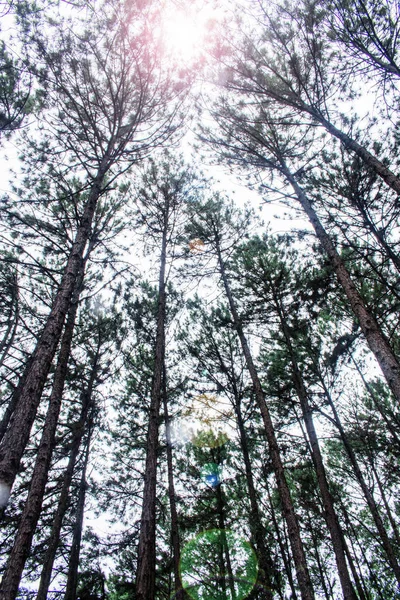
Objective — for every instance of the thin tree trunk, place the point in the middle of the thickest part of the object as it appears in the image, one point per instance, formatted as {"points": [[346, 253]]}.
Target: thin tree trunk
{"points": [[17, 434], [303, 576], [331, 519], [175, 541], [386, 503], [33, 505], [54, 538], [256, 527], [387, 546], [375, 338], [282, 548], [369, 159], [145, 578], [322, 573], [73, 565]]}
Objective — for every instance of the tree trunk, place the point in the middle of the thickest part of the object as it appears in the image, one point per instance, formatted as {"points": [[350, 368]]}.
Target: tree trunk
{"points": [[375, 338], [175, 541], [331, 519], [303, 576], [73, 565], [145, 578], [17, 435], [367, 493], [256, 527], [54, 538], [32, 508]]}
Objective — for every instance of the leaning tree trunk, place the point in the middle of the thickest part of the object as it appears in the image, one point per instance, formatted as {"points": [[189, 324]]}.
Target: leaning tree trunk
{"points": [[175, 541], [145, 578], [54, 537], [303, 576], [73, 565], [17, 434], [331, 519], [33, 505], [369, 159], [376, 340]]}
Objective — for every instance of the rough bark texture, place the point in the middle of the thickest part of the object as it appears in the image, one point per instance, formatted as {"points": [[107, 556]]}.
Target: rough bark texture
{"points": [[73, 565], [375, 338], [32, 508], [145, 578], [331, 519], [303, 576], [17, 434]]}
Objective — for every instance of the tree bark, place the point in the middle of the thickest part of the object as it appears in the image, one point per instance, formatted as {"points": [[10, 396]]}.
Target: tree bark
{"points": [[33, 505], [303, 576], [376, 340], [145, 578], [17, 434]]}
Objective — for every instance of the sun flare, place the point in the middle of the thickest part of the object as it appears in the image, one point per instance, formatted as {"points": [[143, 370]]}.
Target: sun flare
{"points": [[186, 31]]}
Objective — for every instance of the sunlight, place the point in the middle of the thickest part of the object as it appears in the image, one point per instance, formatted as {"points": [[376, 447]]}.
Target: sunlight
{"points": [[185, 31]]}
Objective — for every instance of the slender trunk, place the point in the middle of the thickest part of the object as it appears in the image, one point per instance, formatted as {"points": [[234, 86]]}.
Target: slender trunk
{"points": [[33, 505], [73, 565], [378, 406], [282, 548], [256, 527], [145, 577], [359, 585], [227, 572], [322, 573], [387, 546], [375, 338], [17, 434], [175, 541], [331, 519], [54, 538], [13, 318], [369, 159], [385, 502], [303, 576]]}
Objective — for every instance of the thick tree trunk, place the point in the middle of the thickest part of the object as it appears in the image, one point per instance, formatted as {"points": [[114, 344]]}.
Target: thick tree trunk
{"points": [[375, 338], [54, 538], [145, 578], [175, 541], [73, 565], [17, 434], [331, 519], [387, 546], [303, 576], [30, 516]]}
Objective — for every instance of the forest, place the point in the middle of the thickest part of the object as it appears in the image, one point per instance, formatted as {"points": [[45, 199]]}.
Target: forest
{"points": [[200, 294]]}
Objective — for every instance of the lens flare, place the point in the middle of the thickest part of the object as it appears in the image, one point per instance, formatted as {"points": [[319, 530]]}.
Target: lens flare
{"points": [[211, 474]]}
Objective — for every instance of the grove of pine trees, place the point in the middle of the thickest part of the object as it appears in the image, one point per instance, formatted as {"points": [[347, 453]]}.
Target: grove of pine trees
{"points": [[199, 398]]}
